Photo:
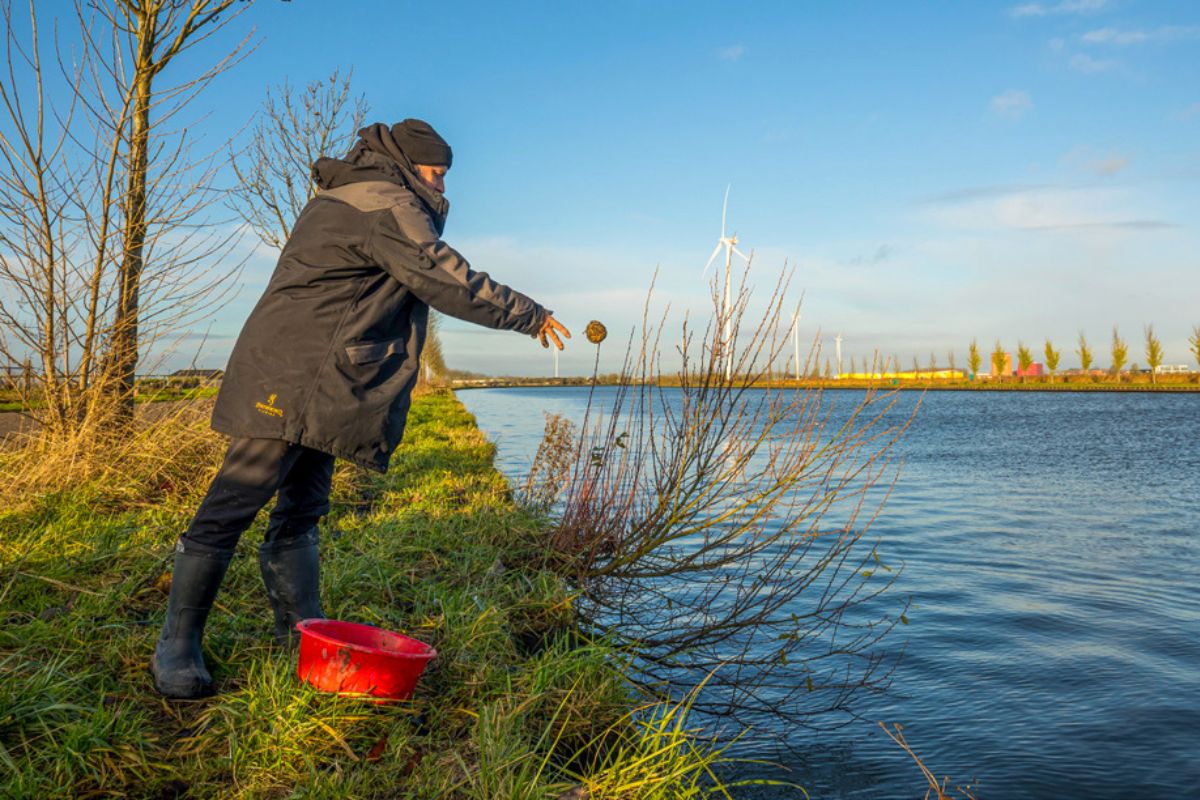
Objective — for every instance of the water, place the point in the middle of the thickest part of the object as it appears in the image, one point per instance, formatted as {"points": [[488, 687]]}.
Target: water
{"points": [[1051, 544]]}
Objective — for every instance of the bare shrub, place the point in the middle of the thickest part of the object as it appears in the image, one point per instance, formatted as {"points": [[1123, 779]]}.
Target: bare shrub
{"points": [[552, 464], [718, 527]]}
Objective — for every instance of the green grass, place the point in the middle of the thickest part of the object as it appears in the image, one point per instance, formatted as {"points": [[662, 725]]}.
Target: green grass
{"points": [[517, 705]]}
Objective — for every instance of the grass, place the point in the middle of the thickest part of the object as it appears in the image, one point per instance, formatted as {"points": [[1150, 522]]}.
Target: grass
{"points": [[10, 399], [518, 704]]}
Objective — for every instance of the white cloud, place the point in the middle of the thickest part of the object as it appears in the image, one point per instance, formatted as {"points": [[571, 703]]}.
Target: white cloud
{"points": [[1048, 208], [1086, 65], [1012, 103], [1063, 7], [733, 52], [1119, 37]]}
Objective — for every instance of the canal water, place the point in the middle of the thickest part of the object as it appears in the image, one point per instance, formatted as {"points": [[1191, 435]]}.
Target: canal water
{"points": [[1051, 549]]}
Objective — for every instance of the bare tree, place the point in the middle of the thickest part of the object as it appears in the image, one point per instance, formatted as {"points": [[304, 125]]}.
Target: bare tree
{"points": [[105, 248], [153, 33], [1194, 343], [293, 129], [1154, 353], [717, 527], [952, 363]]}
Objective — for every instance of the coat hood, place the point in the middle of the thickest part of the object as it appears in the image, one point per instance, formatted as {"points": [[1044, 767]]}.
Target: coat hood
{"points": [[362, 164]]}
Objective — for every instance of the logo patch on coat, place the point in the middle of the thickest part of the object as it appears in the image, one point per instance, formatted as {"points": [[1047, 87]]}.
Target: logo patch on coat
{"points": [[269, 408]]}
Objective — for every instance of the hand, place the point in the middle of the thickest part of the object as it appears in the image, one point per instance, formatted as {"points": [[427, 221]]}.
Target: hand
{"points": [[551, 328]]}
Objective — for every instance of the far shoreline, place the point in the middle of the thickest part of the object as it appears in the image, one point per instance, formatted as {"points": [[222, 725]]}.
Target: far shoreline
{"points": [[859, 385]]}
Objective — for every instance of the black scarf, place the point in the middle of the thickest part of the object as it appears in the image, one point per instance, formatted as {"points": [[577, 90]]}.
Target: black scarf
{"points": [[376, 140]]}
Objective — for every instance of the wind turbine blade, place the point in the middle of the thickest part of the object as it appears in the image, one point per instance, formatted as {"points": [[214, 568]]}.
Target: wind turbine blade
{"points": [[745, 257], [716, 250], [724, 208]]}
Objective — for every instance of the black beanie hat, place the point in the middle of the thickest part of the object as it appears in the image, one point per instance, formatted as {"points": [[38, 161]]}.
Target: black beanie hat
{"points": [[421, 143]]}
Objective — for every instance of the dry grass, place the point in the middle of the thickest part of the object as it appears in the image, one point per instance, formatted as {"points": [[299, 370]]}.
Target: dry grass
{"points": [[937, 789]]}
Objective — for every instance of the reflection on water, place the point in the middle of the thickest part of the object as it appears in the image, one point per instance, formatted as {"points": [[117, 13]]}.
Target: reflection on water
{"points": [[1050, 546]]}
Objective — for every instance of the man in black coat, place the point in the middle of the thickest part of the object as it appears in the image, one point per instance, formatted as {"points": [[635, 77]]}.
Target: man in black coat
{"points": [[324, 367]]}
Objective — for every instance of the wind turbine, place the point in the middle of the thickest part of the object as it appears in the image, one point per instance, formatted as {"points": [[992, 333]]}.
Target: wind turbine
{"points": [[730, 245], [838, 340]]}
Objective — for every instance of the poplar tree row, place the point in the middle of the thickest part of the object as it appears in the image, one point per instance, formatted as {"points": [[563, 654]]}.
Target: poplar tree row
{"points": [[1118, 349]]}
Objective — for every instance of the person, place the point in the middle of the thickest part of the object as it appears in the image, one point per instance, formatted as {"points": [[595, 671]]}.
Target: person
{"points": [[324, 368]]}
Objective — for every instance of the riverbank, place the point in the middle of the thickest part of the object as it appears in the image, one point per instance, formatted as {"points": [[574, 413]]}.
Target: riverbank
{"points": [[513, 706]]}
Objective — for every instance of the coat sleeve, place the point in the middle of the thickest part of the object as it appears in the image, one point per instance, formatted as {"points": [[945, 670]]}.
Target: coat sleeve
{"points": [[406, 245]]}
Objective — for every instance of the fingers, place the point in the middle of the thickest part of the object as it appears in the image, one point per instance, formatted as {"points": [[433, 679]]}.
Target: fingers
{"points": [[551, 328]]}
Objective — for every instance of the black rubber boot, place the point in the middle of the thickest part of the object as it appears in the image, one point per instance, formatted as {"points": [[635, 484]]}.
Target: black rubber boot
{"points": [[178, 663], [291, 571]]}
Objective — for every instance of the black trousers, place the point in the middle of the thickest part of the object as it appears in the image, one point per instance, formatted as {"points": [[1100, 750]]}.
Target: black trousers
{"points": [[252, 472]]}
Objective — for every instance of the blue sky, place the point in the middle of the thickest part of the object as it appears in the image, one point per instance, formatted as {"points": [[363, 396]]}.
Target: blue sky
{"points": [[934, 171]]}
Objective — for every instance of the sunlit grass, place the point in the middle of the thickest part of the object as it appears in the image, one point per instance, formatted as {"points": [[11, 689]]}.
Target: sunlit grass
{"points": [[517, 704]]}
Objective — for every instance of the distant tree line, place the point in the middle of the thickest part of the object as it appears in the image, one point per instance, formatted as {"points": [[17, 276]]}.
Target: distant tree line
{"points": [[1152, 348]]}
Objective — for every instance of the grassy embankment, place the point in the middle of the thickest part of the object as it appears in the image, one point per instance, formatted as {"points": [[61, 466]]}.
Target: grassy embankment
{"points": [[514, 706]]}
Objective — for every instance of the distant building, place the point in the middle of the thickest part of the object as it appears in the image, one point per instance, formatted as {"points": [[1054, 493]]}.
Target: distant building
{"points": [[1035, 370], [923, 374], [1172, 369]]}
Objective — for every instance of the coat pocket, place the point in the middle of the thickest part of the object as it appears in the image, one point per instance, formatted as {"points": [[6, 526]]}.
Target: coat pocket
{"points": [[370, 352]]}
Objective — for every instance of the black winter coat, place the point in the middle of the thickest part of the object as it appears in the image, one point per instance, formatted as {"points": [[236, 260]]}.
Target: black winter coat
{"points": [[329, 356]]}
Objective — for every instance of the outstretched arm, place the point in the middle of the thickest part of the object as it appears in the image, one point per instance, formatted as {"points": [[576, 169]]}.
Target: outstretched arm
{"points": [[405, 243]]}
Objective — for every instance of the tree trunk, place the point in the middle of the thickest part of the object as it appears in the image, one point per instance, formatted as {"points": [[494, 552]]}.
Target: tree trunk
{"points": [[125, 335]]}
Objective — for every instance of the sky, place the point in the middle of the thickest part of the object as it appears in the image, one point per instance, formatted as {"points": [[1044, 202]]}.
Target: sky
{"points": [[933, 172]]}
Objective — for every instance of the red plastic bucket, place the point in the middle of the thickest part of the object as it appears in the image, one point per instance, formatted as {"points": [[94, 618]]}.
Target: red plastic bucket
{"points": [[352, 658]]}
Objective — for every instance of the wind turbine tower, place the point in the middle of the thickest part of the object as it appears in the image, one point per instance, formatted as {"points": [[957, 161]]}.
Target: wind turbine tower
{"points": [[730, 245], [838, 341]]}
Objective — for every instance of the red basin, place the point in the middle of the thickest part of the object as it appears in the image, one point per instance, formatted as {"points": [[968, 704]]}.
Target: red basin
{"points": [[352, 658]]}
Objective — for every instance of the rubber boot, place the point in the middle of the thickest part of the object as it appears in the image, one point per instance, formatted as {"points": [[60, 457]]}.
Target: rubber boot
{"points": [[291, 571], [178, 663]]}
